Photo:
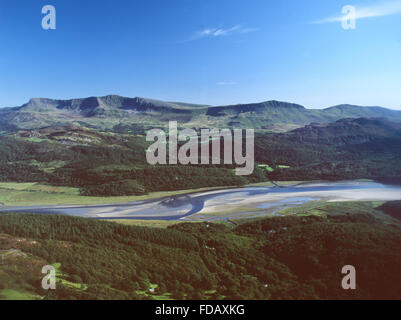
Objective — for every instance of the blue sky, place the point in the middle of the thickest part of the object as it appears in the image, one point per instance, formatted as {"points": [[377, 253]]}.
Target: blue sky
{"points": [[204, 51]]}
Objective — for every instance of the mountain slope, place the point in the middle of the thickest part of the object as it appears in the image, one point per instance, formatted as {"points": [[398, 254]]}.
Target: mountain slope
{"points": [[345, 149], [366, 128], [122, 114], [101, 163], [352, 111]]}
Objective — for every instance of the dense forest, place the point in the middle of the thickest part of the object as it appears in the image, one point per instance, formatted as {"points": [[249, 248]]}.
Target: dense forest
{"points": [[294, 257], [112, 164]]}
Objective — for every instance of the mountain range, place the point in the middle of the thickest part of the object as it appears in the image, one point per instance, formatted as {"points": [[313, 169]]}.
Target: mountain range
{"points": [[122, 114]]}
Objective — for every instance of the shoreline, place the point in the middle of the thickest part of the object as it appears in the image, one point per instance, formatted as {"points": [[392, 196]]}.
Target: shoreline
{"points": [[183, 207]]}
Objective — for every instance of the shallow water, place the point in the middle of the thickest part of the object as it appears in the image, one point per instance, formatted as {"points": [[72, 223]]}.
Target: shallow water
{"points": [[178, 207]]}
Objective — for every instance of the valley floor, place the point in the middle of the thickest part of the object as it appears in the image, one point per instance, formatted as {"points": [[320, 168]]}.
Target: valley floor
{"points": [[37, 194], [223, 204]]}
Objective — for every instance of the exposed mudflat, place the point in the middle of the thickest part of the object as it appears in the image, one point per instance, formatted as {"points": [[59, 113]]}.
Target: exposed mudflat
{"points": [[236, 203]]}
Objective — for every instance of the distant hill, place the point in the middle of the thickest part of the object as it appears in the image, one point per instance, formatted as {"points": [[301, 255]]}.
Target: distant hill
{"points": [[345, 149], [122, 114], [345, 129]]}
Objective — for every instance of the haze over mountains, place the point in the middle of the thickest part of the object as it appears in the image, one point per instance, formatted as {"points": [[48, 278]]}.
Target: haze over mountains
{"points": [[122, 114]]}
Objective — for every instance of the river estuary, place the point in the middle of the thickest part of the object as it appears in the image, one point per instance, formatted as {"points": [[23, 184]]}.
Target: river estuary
{"points": [[227, 203]]}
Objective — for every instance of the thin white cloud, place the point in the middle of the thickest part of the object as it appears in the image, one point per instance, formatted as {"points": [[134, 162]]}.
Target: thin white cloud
{"points": [[220, 32], [362, 12], [226, 83]]}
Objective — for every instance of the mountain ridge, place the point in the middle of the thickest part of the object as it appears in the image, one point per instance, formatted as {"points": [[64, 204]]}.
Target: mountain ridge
{"points": [[118, 113], [159, 102]]}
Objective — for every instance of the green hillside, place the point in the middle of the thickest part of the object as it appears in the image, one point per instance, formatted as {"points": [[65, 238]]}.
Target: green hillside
{"points": [[294, 257], [114, 164], [125, 115]]}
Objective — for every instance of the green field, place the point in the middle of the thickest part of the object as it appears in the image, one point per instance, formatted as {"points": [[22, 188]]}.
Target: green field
{"points": [[60, 278], [150, 293], [266, 167], [276, 183], [10, 294], [31, 194], [145, 223], [316, 208]]}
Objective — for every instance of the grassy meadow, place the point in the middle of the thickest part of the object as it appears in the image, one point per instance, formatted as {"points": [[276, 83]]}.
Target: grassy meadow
{"points": [[31, 194]]}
